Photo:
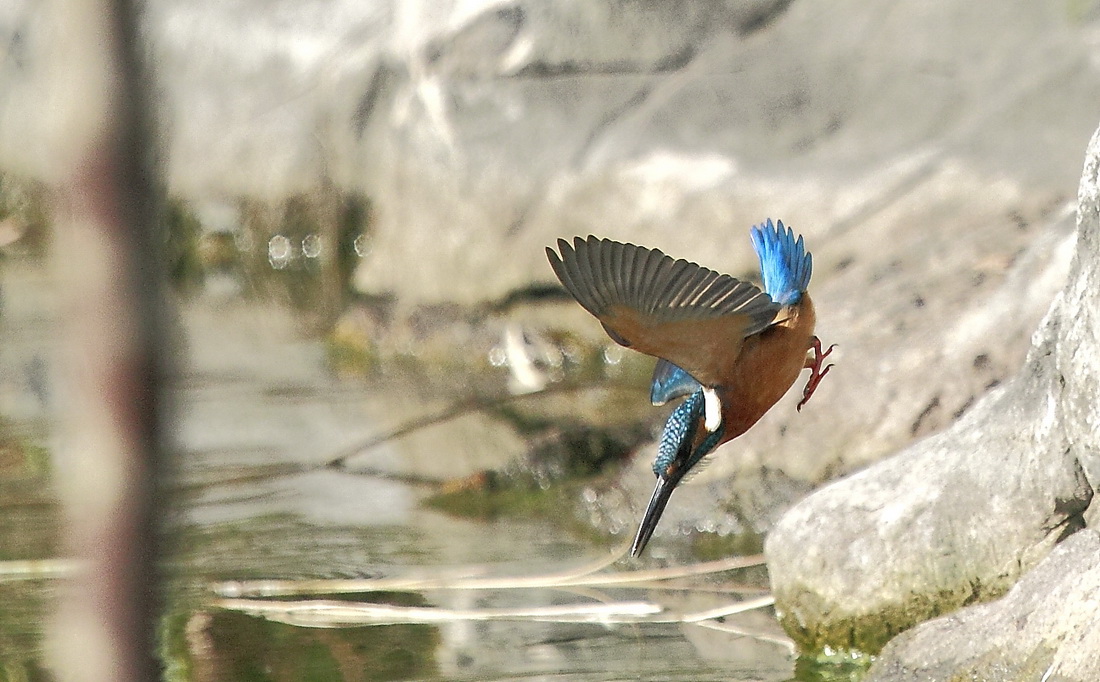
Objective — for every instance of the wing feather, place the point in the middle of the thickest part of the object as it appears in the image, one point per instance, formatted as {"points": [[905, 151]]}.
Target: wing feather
{"points": [[687, 314]]}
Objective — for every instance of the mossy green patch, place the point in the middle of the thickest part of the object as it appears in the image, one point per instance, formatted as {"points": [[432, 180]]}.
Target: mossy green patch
{"points": [[712, 546], [183, 245], [832, 666], [870, 632], [495, 500], [349, 354]]}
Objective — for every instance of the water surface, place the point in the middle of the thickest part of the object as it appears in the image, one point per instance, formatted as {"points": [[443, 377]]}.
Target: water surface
{"points": [[259, 413]]}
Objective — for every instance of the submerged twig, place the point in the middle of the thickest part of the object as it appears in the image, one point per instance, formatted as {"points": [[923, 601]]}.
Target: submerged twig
{"points": [[324, 613], [729, 609], [247, 597], [455, 410], [336, 614], [582, 577], [462, 408], [730, 629]]}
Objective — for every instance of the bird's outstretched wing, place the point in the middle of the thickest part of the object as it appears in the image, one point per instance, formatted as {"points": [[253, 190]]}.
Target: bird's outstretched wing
{"points": [[689, 315]]}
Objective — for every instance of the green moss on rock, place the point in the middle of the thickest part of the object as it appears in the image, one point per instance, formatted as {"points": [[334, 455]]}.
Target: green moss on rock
{"points": [[869, 633], [713, 546]]}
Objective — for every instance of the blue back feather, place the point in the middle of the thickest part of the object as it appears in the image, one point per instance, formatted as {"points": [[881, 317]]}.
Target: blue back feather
{"points": [[670, 382], [680, 432], [784, 263], [681, 424]]}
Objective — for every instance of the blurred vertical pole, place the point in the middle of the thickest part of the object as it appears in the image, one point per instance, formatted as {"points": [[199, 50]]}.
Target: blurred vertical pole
{"points": [[113, 365]]}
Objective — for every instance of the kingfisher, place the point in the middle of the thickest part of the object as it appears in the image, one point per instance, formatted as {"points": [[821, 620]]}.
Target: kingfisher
{"points": [[731, 348]]}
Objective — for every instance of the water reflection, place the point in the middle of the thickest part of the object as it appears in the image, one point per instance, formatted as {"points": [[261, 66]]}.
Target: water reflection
{"points": [[222, 645]]}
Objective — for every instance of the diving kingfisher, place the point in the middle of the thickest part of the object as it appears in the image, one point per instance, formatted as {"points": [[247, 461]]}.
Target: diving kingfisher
{"points": [[731, 348]]}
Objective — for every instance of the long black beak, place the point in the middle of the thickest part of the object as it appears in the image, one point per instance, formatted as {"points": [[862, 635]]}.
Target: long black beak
{"points": [[661, 495]]}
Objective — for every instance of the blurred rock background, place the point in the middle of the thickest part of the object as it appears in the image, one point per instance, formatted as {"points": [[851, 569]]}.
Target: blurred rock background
{"points": [[929, 152]]}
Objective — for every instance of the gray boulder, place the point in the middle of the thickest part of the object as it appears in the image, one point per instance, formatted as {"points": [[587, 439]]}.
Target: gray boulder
{"points": [[960, 516], [1046, 628]]}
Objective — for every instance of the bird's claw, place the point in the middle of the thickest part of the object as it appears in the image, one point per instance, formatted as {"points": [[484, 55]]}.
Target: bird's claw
{"points": [[816, 373]]}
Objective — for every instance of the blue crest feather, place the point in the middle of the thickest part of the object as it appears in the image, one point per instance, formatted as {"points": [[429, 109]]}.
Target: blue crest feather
{"points": [[784, 263]]}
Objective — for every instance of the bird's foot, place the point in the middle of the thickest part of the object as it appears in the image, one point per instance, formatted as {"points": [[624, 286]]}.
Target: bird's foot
{"points": [[813, 363]]}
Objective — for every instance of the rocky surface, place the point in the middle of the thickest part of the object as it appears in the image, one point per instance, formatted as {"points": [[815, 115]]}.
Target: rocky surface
{"points": [[960, 516], [928, 160], [1046, 628]]}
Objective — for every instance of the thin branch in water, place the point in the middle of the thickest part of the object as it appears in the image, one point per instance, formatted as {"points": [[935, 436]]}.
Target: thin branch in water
{"points": [[581, 580], [583, 577], [317, 613], [252, 475], [688, 586], [339, 461], [327, 613], [462, 408], [730, 609], [728, 628], [274, 588]]}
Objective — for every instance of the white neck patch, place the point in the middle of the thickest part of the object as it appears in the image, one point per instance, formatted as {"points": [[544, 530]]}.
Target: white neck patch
{"points": [[712, 410]]}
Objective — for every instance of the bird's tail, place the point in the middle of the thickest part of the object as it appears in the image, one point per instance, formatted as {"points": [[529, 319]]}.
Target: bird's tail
{"points": [[784, 263]]}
